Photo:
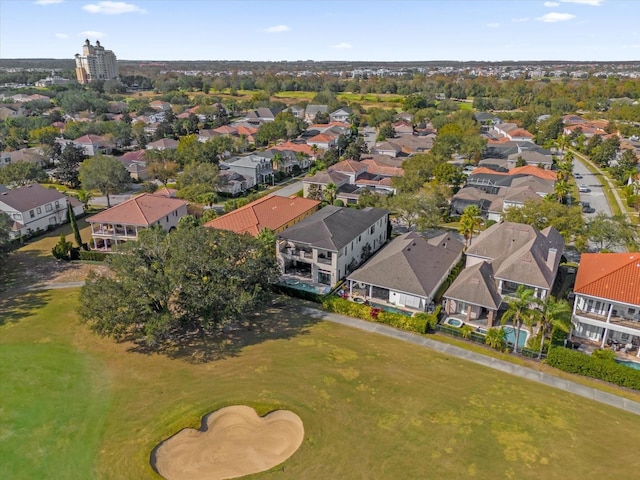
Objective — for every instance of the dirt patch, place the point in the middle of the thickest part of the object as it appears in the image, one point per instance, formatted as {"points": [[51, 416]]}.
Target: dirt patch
{"points": [[233, 442]]}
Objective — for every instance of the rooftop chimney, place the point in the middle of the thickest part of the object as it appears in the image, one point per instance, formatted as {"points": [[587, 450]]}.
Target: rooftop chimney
{"points": [[551, 258]]}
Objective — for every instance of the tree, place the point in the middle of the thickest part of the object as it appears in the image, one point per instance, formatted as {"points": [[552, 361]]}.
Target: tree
{"points": [[610, 232], [198, 181], [406, 208], [561, 190], [21, 173], [267, 239], [84, 196], [162, 170], [470, 222], [495, 338], [568, 220], [520, 310], [5, 230], [105, 174], [74, 225], [554, 314], [330, 191], [386, 131], [68, 163], [165, 286]]}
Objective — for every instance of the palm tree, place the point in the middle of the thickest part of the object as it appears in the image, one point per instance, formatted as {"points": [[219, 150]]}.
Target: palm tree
{"points": [[330, 192], [561, 189], [277, 161], [554, 313], [470, 222], [495, 338], [521, 309]]}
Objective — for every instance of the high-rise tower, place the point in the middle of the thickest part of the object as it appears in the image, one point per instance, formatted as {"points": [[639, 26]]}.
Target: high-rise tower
{"points": [[95, 63]]}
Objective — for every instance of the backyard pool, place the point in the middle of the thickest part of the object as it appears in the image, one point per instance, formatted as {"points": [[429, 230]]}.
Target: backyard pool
{"points": [[300, 285], [387, 308], [510, 336], [630, 364], [453, 322]]}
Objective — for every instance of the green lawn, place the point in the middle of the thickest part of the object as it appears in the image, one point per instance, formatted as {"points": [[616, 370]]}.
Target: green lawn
{"points": [[74, 405]]}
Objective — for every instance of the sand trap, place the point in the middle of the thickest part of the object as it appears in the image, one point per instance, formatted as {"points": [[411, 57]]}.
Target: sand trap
{"points": [[235, 442]]}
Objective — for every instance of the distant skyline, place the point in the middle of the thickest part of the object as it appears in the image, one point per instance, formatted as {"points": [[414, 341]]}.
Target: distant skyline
{"points": [[321, 30]]}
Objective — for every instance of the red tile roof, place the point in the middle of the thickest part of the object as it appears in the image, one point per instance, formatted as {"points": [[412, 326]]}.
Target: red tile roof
{"points": [[535, 171], [520, 132], [613, 276], [143, 210], [296, 147], [272, 212]]}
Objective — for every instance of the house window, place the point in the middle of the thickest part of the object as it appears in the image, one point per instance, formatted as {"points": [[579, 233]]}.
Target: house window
{"points": [[48, 207], [166, 219], [373, 230], [359, 238], [57, 204], [17, 216], [32, 213], [39, 210]]}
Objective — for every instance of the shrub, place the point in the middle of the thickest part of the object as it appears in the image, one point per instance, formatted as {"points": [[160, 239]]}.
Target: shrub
{"points": [[92, 256], [62, 249], [430, 319], [573, 361]]}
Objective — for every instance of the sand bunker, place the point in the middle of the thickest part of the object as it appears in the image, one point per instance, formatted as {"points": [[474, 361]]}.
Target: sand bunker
{"points": [[235, 442]]}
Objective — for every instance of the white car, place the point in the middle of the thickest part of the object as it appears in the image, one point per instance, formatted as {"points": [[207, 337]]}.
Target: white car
{"points": [[582, 188]]}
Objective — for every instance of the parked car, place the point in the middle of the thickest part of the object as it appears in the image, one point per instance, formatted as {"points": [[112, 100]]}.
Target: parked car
{"points": [[582, 188], [587, 208], [577, 175]]}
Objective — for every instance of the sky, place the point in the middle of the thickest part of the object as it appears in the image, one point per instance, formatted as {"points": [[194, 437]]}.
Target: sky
{"points": [[357, 30]]}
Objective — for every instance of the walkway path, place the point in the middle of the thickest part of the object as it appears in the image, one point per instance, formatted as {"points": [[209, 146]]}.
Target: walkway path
{"points": [[496, 364]]}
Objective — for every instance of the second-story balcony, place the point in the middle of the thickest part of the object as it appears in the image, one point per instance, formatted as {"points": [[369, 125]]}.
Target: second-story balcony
{"points": [[111, 231], [616, 318]]}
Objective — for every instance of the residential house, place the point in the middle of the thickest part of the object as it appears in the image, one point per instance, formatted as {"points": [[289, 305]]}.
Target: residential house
{"points": [[331, 243], [11, 111], [323, 140], [402, 127], [271, 212], [160, 106], [33, 155], [296, 111], [234, 184], [94, 144], [407, 272], [136, 164], [341, 115], [163, 144], [530, 157], [503, 257], [122, 222], [261, 115], [351, 168], [606, 307], [33, 208], [257, 167], [311, 111], [314, 185]]}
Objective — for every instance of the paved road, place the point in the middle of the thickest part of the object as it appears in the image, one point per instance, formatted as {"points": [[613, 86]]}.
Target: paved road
{"points": [[596, 195], [507, 367], [289, 189]]}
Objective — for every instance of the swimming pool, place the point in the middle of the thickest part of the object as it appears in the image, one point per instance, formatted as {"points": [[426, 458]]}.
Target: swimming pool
{"points": [[510, 336], [629, 363], [387, 308], [300, 285], [453, 322]]}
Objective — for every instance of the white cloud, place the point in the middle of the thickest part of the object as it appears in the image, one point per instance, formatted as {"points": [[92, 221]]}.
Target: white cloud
{"points": [[551, 4], [47, 2], [493, 25], [554, 17], [342, 46], [113, 8], [277, 29], [62, 36], [520, 20], [91, 34], [593, 3]]}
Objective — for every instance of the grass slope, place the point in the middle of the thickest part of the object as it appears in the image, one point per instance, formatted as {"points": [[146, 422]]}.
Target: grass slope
{"points": [[372, 407]]}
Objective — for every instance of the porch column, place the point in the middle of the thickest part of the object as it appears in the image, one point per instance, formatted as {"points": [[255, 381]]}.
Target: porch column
{"points": [[490, 315], [370, 291], [95, 245], [604, 337], [350, 287], [609, 314], [500, 287], [468, 313]]}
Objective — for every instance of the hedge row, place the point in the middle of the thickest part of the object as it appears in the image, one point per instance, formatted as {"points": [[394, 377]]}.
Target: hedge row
{"points": [[296, 293], [418, 323], [92, 256], [573, 361]]}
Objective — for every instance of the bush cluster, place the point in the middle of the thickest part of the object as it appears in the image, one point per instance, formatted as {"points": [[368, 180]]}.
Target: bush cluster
{"points": [[92, 256], [573, 361], [419, 323]]}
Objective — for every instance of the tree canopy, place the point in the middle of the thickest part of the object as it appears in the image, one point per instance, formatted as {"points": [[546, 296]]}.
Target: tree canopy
{"points": [[105, 174], [165, 286]]}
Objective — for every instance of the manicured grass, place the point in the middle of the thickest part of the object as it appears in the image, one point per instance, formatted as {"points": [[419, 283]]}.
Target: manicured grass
{"points": [[295, 95], [75, 405]]}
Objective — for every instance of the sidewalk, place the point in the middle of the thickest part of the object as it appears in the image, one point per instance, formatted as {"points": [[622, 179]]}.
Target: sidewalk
{"points": [[507, 367]]}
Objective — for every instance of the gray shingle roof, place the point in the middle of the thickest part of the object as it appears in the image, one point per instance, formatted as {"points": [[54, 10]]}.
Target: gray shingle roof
{"points": [[29, 196], [332, 228], [410, 264], [476, 285]]}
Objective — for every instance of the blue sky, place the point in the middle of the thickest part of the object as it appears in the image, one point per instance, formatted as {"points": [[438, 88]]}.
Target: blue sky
{"points": [[366, 30]]}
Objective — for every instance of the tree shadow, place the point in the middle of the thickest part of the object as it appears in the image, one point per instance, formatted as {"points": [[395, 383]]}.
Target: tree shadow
{"points": [[17, 305], [280, 319]]}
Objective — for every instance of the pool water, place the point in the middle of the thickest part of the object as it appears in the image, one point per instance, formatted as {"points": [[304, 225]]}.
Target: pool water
{"points": [[629, 363], [389, 309], [299, 285], [453, 322], [510, 336]]}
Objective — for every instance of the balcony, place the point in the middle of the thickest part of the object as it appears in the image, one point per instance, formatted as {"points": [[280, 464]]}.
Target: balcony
{"points": [[621, 320]]}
